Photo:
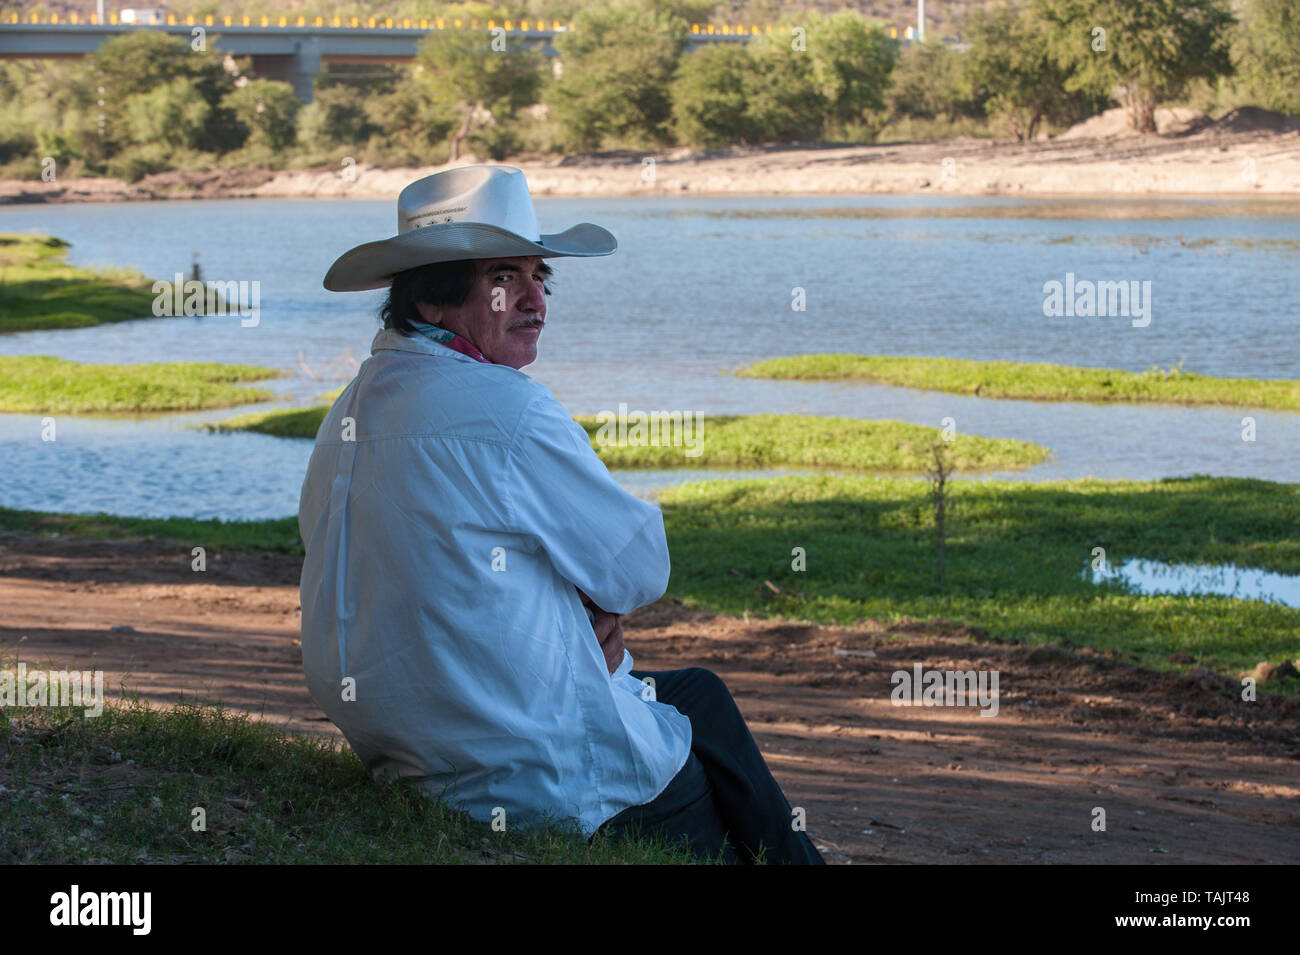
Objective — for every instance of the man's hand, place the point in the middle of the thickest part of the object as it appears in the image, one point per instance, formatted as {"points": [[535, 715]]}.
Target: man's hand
{"points": [[609, 632]]}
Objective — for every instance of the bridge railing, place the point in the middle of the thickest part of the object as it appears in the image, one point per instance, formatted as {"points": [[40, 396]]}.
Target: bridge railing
{"points": [[359, 23], [344, 23], [366, 23]]}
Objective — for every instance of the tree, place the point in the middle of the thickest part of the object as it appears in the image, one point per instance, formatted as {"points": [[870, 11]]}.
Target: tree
{"points": [[617, 64], [851, 66], [1147, 50], [173, 114], [783, 101], [939, 477], [336, 116], [479, 75], [709, 96], [1010, 61], [1268, 54], [142, 62], [268, 110], [761, 92], [930, 82]]}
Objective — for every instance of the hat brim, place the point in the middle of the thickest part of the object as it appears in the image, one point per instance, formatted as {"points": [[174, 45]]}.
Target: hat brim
{"points": [[373, 264]]}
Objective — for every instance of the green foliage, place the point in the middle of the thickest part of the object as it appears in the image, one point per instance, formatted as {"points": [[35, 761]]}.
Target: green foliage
{"points": [[279, 535], [851, 66], [1016, 553], [709, 97], [1010, 63], [1153, 48], [270, 798], [268, 110], [145, 71], [38, 289], [826, 79], [481, 81], [37, 384], [618, 63], [173, 114], [336, 116], [763, 92], [135, 162], [807, 441], [782, 101], [1267, 51], [39, 111], [284, 423], [930, 82], [626, 82], [1043, 382]]}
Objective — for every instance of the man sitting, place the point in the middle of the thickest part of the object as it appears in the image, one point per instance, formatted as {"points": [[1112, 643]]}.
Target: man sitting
{"points": [[468, 559]]}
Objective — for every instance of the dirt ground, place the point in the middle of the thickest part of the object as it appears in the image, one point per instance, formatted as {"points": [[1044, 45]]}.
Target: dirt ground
{"points": [[1186, 771]]}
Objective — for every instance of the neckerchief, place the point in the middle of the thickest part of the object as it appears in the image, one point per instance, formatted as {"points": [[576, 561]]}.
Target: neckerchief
{"points": [[453, 341]]}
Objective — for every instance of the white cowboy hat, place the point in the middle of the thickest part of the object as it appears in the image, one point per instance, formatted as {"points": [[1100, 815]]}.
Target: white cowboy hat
{"points": [[471, 212]]}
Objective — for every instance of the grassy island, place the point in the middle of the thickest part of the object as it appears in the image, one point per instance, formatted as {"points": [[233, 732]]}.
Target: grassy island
{"points": [[742, 441], [38, 289], [39, 384], [1035, 382]]}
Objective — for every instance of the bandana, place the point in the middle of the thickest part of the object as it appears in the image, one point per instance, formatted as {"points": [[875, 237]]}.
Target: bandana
{"points": [[453, 341]]}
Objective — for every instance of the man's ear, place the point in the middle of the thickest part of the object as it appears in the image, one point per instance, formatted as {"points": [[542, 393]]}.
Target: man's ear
{"points": [[432, 314]]}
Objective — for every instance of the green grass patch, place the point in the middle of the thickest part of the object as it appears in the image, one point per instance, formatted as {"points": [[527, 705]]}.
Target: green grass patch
{"points": [[805, 441], [277, 536], [1038, 382], [123, 787], [750, 441], [1015, 558], [38, 289], [42, 384], [285, 423]]}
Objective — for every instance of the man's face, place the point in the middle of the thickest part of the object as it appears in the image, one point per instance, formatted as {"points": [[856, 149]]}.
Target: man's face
{"points": [[504, 311]]}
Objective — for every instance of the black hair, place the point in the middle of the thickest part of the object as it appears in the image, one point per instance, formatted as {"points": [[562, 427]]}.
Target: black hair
{"points": [[442, 283]]}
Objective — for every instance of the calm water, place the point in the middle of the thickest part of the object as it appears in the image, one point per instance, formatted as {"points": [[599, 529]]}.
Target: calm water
{"points": [[698, 287], [1158, 577]]}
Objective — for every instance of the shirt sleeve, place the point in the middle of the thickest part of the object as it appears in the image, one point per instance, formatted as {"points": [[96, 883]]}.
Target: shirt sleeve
{"points": [[604, 540]]}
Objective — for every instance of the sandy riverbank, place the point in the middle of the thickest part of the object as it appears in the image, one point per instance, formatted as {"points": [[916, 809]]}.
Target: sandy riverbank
{"points": [[1248, 153]]}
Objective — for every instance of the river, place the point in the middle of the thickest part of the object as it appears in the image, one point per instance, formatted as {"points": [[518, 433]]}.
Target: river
{"points": [[698, 287]]}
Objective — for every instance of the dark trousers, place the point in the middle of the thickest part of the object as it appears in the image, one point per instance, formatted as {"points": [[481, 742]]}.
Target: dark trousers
{"points": [[723, 802]]}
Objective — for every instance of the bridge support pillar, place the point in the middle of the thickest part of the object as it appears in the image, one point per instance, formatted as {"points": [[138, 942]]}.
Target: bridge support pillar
{"points": [[298, 69], [304, 66]]}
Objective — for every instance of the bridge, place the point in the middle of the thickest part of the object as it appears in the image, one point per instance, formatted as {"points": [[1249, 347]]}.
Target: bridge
{"points": [[296, 48]]}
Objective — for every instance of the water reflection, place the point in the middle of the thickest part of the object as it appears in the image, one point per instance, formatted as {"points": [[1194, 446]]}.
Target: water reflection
{"points": [[1228, 580]]}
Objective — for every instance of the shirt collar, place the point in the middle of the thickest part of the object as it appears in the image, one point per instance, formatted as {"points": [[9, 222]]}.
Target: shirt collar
{"points": [[390, 339], [445, 336]]}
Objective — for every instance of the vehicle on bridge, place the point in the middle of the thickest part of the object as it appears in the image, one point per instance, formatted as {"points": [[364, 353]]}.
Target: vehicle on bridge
{"points": [[151, 16]]}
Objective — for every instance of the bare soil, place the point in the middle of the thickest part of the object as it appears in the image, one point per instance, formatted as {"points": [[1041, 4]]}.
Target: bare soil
{"points": [[1185, 771]]}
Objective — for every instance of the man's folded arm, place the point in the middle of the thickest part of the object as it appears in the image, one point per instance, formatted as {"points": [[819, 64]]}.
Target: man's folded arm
{"points": [[608, 543]]}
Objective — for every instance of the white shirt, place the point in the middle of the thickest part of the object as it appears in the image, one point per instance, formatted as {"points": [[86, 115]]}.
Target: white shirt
{"points": [[450, 509]]}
